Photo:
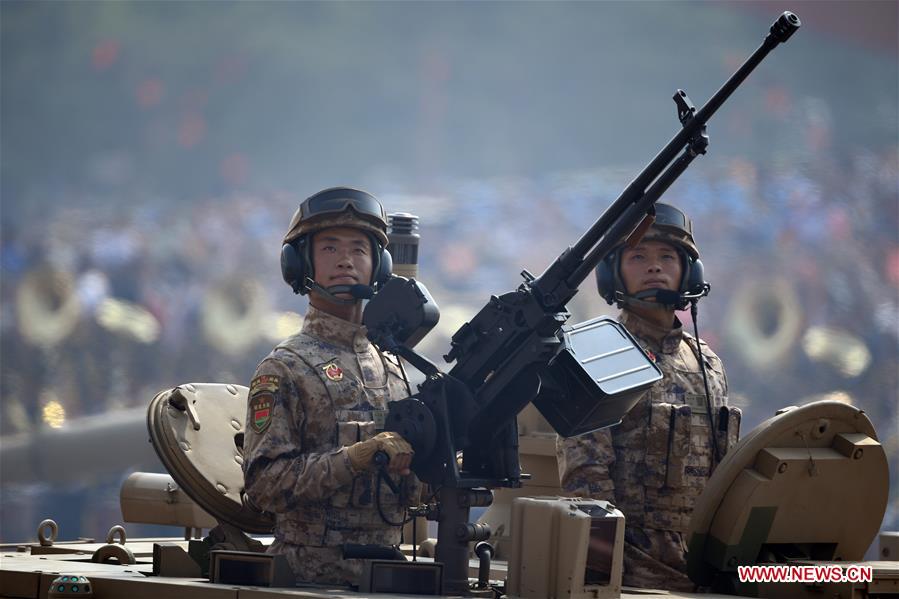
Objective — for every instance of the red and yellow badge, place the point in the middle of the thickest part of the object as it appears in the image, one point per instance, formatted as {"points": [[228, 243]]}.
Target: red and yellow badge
{"points": [[651, 356], [333, 371], [261, 410]]}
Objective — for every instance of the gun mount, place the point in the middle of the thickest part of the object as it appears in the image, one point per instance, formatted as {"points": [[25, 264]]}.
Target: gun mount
{"points": [[513, 352]]}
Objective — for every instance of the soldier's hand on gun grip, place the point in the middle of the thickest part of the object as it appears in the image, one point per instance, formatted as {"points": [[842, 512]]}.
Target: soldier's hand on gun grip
{"points": [[398, 451]]}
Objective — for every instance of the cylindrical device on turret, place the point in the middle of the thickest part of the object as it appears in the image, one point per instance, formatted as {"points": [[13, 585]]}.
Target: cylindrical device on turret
{"points": [[403, 246]]}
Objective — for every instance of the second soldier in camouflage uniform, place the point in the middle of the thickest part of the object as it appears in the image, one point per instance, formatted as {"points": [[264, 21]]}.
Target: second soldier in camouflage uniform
{"points": [[655, 463], [316, 402]]}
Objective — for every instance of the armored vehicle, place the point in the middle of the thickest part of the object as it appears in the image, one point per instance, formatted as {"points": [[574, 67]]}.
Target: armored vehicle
{"points": [[806, 489], [789, 511]]}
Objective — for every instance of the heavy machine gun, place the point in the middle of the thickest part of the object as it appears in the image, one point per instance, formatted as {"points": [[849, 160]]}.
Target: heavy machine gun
{"points": [[516, 350]]}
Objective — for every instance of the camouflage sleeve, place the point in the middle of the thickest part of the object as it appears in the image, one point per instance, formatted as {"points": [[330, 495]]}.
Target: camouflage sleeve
{"points": [[584, 465], [278, 471]]}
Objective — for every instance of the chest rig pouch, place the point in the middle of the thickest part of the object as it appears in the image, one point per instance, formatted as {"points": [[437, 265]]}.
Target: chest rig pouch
{"points": [[359, 391], [728, 427], [666, 437], [661, 451]]}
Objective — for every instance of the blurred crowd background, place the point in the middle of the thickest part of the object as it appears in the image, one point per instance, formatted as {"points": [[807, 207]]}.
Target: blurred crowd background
{"points": [[153, 153]]}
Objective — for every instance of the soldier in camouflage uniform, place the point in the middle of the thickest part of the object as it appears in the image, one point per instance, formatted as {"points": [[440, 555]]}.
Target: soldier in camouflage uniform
{"points": [[317, 400], [655, 463]]}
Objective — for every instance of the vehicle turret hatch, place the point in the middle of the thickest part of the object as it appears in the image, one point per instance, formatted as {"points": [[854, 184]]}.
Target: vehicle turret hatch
{"points": [[197, 431], [810, 484]]}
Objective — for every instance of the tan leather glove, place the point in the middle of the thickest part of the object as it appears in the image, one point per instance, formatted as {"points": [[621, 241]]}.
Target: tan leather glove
{"points": [[399, 451]]}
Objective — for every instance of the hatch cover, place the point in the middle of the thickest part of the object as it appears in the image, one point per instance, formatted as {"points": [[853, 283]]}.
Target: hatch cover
{"points": [[812, 482], [197, 431]]}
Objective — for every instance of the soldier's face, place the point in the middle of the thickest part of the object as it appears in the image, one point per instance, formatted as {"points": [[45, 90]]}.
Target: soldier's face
{"points": [[650, 265], [341, 256]]}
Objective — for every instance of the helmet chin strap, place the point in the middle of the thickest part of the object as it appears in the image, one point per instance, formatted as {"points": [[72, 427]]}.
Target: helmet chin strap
{"points": [[359, 292]]}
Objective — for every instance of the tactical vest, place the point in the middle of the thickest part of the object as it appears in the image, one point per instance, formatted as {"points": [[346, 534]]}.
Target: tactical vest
{"points": [[663, 450], [355, 388]]}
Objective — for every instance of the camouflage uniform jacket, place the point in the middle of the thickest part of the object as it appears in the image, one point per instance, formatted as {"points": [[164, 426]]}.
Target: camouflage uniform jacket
{"points": [[655, 463], [316, 393]]}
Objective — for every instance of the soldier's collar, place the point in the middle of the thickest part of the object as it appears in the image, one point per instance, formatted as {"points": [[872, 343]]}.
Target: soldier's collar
{"points": [[326, 327], [666, 340]]}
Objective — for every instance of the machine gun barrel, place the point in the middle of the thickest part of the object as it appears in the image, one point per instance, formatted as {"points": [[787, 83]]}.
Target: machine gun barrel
{"points": [[560, 281], [490, 350]]}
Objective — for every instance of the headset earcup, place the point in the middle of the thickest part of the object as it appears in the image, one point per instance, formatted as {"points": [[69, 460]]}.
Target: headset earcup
{"points": [[385, 268], [605, 277], [293, 265], [695, 278]]}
